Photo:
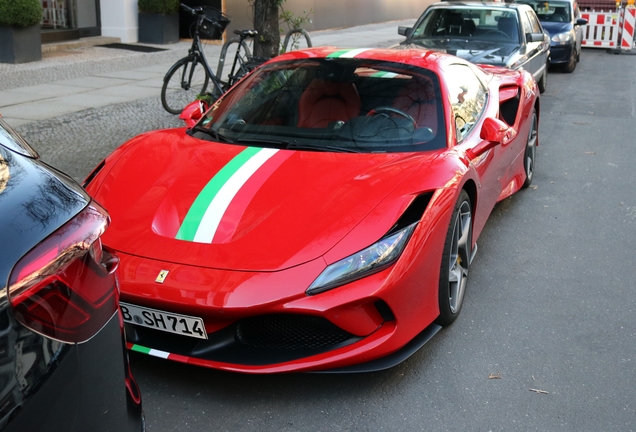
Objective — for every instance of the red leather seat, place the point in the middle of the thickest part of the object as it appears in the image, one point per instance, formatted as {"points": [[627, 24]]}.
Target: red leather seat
{"points": [[324, 102], [417, 99]]}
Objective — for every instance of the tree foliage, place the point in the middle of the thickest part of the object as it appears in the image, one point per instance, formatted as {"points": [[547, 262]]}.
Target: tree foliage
{"points": [[165, 7]]}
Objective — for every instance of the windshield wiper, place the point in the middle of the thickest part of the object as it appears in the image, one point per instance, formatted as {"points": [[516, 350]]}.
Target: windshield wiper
{"points": [[214, 134], [297, 146], [264, 141]]}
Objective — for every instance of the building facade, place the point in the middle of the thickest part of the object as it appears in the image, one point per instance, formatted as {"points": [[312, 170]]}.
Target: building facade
{"points": [[74, 19], [70, 19]]}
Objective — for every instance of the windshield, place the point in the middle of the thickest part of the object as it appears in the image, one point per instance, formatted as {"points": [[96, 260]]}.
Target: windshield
{"points": [[481, 24], [550, 11], [331, 104]]}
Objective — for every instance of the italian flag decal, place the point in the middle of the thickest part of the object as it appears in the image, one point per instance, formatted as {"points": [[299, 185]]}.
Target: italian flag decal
{"points": [[215, 213], [348, 53], [156, 353]]}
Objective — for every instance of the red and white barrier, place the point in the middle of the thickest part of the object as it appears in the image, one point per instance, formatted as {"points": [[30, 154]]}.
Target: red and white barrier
{"points": [[610, 29], [628, 23], [601, 30]]}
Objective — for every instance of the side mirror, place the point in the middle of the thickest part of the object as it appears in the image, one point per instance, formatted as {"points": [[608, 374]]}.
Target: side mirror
{"points": [[581, 21], [493, 132], [534, 37], [496, 131], [193, 112], [405, 31]]}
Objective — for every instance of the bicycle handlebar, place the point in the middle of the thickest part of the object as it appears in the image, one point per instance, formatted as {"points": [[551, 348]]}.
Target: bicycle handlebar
{"points": [[194, 11]]}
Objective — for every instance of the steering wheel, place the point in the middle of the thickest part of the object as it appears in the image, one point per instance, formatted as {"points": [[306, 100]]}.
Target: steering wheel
{"points": [[496, 32], [387, 110]]}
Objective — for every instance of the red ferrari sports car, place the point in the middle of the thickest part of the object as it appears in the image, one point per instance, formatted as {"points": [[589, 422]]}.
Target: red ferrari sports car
{"points": [[322, 215]]}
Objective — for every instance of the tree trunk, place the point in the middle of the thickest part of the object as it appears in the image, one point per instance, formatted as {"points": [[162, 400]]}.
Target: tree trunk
{"points": [[266, 23]]}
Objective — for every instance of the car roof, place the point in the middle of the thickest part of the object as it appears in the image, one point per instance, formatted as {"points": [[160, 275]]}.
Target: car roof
{"points": [[428, 59], [478, 4], [525, 1]]}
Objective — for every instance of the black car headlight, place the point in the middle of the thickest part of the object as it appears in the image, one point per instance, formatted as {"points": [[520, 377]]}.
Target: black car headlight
{"points": [[373, 259]]}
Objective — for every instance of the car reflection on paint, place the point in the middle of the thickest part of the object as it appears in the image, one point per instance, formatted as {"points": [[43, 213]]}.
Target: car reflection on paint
{"points": [[63, 365]]}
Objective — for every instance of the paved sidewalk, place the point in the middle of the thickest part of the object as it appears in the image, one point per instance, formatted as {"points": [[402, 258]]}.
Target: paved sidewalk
{"points": [[79, 78]]}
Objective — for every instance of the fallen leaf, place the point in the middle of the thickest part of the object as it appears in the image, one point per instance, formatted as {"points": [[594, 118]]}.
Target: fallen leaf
{"points": [[539, 391], [535, 187], [590, 152], [495, 376]]}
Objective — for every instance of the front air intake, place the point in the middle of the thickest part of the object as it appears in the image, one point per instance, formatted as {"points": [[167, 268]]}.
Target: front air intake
{"points": [[290, 332]]}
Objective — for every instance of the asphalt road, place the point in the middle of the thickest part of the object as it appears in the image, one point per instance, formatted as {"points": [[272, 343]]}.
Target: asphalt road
{"points": [[547, 337]]}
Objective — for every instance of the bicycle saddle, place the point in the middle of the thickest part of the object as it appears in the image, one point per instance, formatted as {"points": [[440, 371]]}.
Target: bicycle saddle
{"points": [[246, 33]]}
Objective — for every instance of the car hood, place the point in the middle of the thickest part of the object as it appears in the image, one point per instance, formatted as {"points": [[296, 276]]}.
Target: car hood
{"points": [[175, 198], [556, 27], [483, 52]]}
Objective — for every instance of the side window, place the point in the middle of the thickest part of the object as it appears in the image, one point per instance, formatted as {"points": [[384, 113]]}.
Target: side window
{"points": [[535, 26], [527, 27], [467, 97]]}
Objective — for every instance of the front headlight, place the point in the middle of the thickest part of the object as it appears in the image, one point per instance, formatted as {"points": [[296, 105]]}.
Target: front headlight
{"points": [[371, 260], [562, 38]]}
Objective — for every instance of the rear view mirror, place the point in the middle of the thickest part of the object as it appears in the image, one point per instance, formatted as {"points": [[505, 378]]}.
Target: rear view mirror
{"points": [[405, 31], [534, 37], [581, 21], [493, 133], [193, 112]]}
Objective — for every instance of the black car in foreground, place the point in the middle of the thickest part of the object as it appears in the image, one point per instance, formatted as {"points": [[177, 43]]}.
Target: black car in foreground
{"points": [[500, 34], [63, 364], [563, 20]]}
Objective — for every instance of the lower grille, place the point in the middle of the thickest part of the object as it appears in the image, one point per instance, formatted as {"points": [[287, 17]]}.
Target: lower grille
{"points": [[290, 332]]}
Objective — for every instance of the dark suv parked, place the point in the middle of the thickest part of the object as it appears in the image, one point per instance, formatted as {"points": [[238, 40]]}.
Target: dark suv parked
{"points": [[63, 364]]}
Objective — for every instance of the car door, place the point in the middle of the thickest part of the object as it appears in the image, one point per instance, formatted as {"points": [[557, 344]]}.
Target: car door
{"points": [[537, 51], [469, 99]]}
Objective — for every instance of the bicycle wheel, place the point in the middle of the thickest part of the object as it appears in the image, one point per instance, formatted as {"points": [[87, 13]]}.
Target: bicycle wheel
{"points": [[185, 80], [294, 36]]}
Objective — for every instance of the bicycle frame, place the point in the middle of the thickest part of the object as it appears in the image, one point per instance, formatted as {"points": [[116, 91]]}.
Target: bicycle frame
{"points": [[197, 55]]}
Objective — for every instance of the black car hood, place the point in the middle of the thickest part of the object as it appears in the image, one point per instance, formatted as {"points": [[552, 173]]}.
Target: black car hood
{"points": [[484, 52], [556, 27]]}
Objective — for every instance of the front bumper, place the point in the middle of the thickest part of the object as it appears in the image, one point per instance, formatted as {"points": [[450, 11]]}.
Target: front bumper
{"points": [[560, 54], [262, 322]]}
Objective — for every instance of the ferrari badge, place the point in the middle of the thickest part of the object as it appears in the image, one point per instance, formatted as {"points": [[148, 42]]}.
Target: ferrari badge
{"points": [[163, 274]]}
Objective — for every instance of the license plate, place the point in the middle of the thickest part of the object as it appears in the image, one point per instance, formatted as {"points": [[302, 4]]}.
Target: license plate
{"points": [[165, 321]]}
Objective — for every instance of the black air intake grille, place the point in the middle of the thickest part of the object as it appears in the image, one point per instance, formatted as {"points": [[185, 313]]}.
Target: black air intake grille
{"points": [[290, 332]]}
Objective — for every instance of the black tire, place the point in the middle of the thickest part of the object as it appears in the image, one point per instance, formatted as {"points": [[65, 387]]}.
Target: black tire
{"points": [[453, 277], [530, 154], [571, 64], [183, 83], [543, 82]]}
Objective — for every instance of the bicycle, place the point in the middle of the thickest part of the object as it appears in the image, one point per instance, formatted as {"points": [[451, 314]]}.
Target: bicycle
{"points": [[244, 61], [190, 76]]}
